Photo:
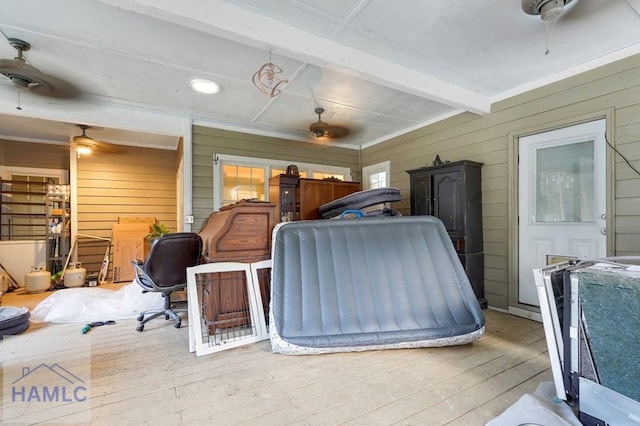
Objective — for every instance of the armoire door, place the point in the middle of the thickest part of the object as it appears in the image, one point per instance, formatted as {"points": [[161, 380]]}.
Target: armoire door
{"points": [[420, 184], [447, 200]]}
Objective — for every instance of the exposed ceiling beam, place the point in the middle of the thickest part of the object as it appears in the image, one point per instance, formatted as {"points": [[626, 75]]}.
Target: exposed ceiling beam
{"points": [[102, 115], [231, 22]]}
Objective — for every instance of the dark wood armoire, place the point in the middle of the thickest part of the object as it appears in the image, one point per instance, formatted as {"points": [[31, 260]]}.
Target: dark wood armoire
{"points": [[452, 193], [299, 198]]}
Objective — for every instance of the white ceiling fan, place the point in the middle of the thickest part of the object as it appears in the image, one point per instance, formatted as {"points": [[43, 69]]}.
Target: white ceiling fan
{"points": [[549, 10], [25, 76]]}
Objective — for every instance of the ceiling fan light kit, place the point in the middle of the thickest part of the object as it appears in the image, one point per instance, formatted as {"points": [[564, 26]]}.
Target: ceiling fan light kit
{"points": [[549, 10], [83, 149], [552, 10], [83, 144], [319, 133]]}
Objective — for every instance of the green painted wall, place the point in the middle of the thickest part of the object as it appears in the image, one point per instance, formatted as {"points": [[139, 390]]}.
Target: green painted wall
{"points": [[612, 91], [207, 141]]}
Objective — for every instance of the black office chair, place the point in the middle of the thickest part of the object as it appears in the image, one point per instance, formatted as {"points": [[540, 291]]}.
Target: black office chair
{"points": [[165, 271]]}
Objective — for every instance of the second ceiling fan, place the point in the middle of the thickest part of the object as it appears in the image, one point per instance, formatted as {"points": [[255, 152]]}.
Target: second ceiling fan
{"points": [[321, 129], [84, 144]]}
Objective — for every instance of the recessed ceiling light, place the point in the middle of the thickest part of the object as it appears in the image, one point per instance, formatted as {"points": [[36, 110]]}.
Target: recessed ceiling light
{"points": [[201, 85]]}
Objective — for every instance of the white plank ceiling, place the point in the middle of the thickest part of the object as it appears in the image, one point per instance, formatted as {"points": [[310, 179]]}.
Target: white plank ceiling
{"points": [[380, 68]]}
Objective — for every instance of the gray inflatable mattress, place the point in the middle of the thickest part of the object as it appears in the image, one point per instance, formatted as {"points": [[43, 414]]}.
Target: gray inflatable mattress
{"points": [[371, 283]]}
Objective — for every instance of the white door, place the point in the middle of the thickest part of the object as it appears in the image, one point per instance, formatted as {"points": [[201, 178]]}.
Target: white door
{"points": [[561, 199]]}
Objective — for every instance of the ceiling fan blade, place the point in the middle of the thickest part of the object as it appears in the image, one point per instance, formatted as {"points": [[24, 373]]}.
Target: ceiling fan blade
{"points": [[109, 148], [338, 131], [97, 147], [54, 87]]}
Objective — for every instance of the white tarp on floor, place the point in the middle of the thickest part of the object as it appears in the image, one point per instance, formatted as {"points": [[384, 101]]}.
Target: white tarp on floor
{"points": [[542, 408], [89, 304]]}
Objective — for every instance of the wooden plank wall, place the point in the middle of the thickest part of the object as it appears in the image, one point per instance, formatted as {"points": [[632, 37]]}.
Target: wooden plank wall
{"points": [[208, 141], [31, 154], [614, 88], [140, 182]]}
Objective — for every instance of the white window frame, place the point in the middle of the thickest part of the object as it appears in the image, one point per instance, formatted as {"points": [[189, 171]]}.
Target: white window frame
{"points": [[7, 171], [367, 171], [221, 159]]}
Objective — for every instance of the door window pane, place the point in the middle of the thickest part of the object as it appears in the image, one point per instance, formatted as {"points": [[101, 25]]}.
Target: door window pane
{"points": [[565, 183]]}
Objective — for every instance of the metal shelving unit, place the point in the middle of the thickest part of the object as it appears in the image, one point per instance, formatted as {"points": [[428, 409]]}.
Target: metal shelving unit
{"points": [[58, 228], [22, 210]]}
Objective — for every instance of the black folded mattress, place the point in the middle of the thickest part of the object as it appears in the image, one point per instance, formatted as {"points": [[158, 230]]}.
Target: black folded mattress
{"points": [[371, 283], [359, 200], [13, 320]]}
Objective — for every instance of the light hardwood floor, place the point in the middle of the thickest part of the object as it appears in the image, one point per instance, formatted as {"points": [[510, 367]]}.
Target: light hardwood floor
{"points": [[151, 378]]}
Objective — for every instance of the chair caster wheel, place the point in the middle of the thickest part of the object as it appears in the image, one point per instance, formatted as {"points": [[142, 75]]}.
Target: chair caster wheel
{"points": [[177, 325], [140, 317], [140, 327]]}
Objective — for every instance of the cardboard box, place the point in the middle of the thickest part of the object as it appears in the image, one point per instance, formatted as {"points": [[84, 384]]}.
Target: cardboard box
{"points": [[128, 244], [148, 220], [128, 229]]}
